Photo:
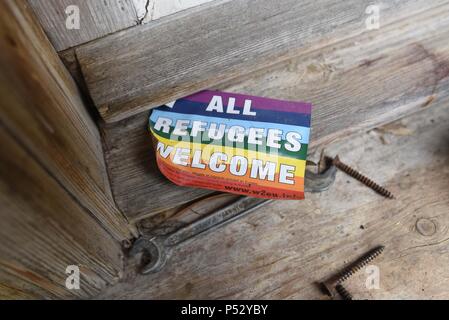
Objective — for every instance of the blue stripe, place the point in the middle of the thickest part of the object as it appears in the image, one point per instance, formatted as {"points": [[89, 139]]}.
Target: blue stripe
{"points": [[303, 131], [271, 116]]}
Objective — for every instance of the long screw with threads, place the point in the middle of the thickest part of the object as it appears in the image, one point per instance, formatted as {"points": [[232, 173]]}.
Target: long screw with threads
{"points": [[345, 295], [333, 284], [359, 264], [363, 179]]}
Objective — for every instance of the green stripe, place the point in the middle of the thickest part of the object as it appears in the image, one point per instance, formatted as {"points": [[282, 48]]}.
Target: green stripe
{"points": [[301, 154]]}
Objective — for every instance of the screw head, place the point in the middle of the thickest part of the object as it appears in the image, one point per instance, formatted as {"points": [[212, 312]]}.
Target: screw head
{"points": [[328, 287]]}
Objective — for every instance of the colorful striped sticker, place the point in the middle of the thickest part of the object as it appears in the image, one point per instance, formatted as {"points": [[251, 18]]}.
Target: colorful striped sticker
{"points": [[234, 143]]}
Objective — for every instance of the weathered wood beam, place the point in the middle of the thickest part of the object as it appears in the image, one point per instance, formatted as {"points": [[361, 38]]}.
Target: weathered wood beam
{"points": [[42, 107], [355, 84], [44, 230], [134, 70], [97, 18], [365, 81]]}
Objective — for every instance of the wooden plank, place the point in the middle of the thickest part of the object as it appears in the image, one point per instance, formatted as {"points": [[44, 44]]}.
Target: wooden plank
{"points": [[364, 81], [146, 11], [282, 250], [354, 85], [97, 19], [44, 229], [42, 107], [134, 70]]}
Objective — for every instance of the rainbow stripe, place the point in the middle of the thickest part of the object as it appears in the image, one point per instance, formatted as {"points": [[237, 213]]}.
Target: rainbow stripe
{"points": [[241, 144]]}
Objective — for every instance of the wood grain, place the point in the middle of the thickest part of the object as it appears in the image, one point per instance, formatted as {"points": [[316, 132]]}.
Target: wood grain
{"points": [[355, 84], [15, 289], [283, 250], [365, 81], [42, 107], [44, 229], [140, 68], [97, 19]]}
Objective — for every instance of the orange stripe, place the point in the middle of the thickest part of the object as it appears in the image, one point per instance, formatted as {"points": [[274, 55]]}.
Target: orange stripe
{"points": [[298, 181], [191, 179]]}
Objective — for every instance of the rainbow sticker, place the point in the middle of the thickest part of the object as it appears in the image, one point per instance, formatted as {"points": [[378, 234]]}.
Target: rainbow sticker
{"points": [[234, 143]]}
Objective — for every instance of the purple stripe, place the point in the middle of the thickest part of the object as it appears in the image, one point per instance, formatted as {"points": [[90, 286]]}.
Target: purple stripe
{"points": [[257, 102]]}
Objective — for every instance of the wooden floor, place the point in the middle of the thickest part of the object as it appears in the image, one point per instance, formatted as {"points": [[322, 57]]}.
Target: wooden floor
{"points": [[283, 250]]}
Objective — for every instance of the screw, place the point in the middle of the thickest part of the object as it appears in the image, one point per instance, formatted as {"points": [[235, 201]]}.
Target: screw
{"points": [[343, 292], [360, 263], [330, 285], [363, 179]]}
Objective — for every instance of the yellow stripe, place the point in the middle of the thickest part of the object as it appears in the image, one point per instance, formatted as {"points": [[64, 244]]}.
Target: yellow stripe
{"points": [[209, 149]]}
